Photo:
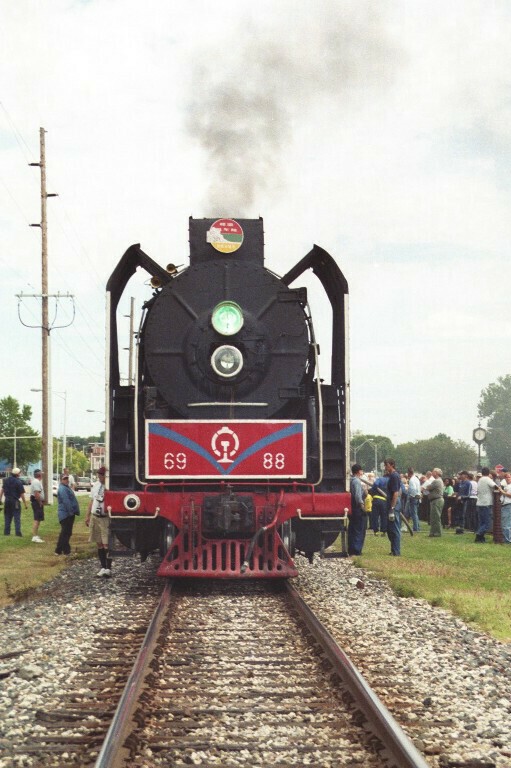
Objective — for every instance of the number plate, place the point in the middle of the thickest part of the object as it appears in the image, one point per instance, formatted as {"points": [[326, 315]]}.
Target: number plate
{"points": [[218, 449]]}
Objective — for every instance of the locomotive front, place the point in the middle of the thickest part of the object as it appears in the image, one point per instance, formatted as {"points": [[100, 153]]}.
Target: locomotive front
{"points": [[227, 452]]}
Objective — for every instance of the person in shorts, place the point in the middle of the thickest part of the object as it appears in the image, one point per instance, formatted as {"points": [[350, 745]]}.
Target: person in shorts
{"points": [[37, 502], [98, 522]]}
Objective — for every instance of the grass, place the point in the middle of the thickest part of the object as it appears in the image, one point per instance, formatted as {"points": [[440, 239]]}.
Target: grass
{"points": [[473, 581], [24, 565]]}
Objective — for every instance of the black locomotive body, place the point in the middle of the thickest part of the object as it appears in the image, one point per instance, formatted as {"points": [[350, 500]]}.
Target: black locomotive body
{"points": [[226, 451]]}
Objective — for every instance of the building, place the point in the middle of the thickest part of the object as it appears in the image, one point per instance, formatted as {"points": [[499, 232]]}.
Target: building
{"points": [[97, 456]]}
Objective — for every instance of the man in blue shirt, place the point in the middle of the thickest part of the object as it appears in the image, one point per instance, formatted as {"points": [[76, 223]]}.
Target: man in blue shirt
{"points": [[14, 491], [463, 500], [379, 510], [358, 521], [67, 509], [393, 513]]}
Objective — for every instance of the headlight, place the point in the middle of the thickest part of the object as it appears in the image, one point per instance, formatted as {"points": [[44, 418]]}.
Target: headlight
{"points": [[131, 502], [227, 361], [227, 318]]}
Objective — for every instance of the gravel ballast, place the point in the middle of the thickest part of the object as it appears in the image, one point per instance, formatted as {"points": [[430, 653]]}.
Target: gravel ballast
{"points": [[448, 685]]}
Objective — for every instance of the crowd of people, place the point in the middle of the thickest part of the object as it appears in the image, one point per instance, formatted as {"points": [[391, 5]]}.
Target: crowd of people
{"points": [[387, 505], [395, 502], [68, 509]]}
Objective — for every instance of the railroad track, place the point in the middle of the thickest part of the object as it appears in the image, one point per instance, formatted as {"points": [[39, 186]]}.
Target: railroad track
{"points": [[243, 674]]}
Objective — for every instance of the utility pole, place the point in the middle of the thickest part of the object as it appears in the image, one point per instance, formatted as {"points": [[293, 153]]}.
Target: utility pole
{"points": [[131, 337], [47, 442], [46, 328], [132, 314]]}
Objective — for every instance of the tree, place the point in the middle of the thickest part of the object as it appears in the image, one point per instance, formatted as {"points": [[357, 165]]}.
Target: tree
{"points": [[76, 460], [14, 421], [79, 463], [368, 450], [495, 405], [439, 451]]}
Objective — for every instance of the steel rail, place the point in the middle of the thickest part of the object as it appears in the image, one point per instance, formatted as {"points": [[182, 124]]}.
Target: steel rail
{"points": [[400, 748], [111, 752]]}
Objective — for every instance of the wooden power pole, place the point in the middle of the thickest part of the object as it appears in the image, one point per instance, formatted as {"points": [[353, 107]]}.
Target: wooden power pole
{"points": [[47, 437], [47, 440]]}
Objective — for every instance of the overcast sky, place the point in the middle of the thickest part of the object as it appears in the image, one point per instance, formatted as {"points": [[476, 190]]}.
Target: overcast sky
{"points": [[378, 130]]}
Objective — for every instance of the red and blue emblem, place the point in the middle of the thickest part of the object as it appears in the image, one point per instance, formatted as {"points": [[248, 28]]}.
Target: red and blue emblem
{"points": [[223, 449]]}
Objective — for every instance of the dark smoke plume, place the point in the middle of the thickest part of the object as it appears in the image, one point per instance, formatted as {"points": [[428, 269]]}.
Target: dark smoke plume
{"points": [[245, 99]]}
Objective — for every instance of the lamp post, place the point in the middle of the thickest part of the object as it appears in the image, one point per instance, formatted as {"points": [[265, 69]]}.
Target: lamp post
{"points": [[91, 410], [375, 446], [479, 436], [62, 395], [356, 450], [102, 413], [16, 437]]}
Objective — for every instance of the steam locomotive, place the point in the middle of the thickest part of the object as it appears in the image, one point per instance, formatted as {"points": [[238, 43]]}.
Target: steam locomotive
{"points": [[226, 451]]}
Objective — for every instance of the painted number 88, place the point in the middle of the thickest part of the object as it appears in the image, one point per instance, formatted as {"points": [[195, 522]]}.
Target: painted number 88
{"points": [[273, 461]]}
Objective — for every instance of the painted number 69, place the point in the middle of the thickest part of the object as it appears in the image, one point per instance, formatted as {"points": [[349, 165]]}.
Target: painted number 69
{"points": [[175, 461]]}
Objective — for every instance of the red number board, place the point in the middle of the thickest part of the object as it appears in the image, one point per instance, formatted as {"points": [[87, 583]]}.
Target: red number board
{"points": [[224, 449]]}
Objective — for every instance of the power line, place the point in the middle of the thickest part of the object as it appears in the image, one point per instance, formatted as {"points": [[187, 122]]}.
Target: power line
{"points": [[18, 135], [82, 253]]}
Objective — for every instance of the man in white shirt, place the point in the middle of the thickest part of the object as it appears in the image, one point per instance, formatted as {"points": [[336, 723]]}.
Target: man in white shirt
{"points": [[484, 504], [98, 522], [37, 503], [424, 503], [471, 512], [413, 498]]}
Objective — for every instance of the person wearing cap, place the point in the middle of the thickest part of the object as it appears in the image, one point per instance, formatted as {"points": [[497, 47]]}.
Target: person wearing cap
{"points": [[67, 509], [37, 502], [14, 492], [98, 522], [72, 482], [358, 520]]}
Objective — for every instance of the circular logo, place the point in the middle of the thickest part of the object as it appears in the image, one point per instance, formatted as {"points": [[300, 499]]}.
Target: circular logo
{"points": [[229, 443], [225, 235]]}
